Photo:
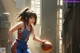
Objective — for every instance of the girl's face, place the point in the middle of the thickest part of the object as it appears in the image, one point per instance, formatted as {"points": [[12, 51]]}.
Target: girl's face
{"points": [[31, 20]]}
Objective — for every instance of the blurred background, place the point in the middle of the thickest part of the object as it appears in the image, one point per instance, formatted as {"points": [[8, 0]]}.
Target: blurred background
{"points": [[58, 22]]}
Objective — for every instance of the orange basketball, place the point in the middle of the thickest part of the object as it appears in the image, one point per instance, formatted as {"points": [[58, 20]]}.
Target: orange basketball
{"points": [[46, 46]]}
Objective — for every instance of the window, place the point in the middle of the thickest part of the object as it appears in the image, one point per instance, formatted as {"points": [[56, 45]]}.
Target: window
{"points": [[35, 6], [59, 22]]}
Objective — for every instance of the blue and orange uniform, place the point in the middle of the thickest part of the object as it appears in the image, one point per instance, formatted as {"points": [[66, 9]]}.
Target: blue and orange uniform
{"points": [[20, 46]]}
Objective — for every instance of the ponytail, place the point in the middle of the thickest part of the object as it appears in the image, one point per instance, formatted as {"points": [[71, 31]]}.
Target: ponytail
{"points": [[21, 15]]}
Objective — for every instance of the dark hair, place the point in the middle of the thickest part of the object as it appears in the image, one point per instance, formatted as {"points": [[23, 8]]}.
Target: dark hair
{"points": [[26, 14]]}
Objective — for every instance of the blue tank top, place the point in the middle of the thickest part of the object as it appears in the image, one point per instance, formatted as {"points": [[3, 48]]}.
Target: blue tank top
{"points": [[25, 34]]}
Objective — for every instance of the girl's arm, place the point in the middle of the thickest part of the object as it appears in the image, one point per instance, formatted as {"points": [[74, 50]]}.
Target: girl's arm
{"points": [[36, 38], [11, 30]]}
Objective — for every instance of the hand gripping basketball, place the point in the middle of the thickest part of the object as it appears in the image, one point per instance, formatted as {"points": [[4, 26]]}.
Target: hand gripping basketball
{"points": [[46, 46]]}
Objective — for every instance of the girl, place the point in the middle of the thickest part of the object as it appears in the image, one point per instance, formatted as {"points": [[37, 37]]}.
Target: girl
{"points": [[27, 18]]}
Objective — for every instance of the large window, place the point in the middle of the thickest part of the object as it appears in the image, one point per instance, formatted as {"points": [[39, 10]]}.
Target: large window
{"points": [[59, 21], [35, 6]]}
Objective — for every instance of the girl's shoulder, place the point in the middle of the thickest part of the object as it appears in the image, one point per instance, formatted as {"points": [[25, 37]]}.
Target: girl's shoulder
{"points": [[16, 26], [20, 23]]}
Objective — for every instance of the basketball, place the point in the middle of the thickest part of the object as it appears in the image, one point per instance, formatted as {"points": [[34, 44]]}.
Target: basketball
{"points": [[46, 46]]}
